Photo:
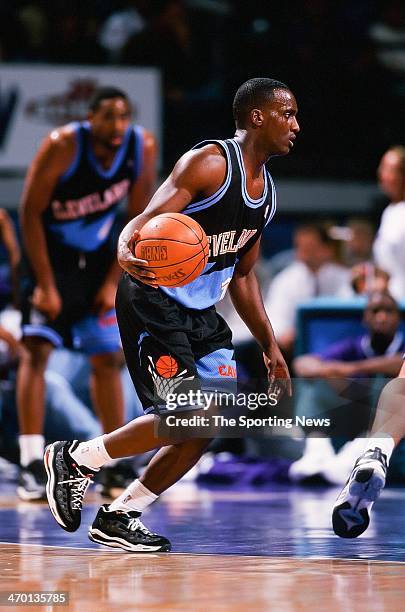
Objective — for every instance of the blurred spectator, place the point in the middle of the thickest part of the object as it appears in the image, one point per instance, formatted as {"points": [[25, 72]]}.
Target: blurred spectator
{"points": [[165, 43], [34, 24], [389, 246], [331, 393], [313, 273], [366, 277], [388, 35], [118, 28], [357, 237]]}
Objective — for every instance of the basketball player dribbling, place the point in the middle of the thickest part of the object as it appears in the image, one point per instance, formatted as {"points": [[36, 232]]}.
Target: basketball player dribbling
{"points": [[225, 186]]}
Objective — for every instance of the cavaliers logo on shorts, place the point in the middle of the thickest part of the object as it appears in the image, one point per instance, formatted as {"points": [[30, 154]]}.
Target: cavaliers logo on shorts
{"points": [[165, 375]]}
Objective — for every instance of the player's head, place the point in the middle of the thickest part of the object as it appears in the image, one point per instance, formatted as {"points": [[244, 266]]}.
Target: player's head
{"points": [[382, 316], [313, 245], [391, 173], [268, 108], [109, 116]]}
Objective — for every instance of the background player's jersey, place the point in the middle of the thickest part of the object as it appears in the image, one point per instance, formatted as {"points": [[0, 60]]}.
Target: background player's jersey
{"points": [[232, 221], [84, 203]]}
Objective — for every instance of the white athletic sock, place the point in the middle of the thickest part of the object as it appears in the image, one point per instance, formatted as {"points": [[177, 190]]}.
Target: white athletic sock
{"points": [[135, 497], [31, 448], [383, 441], [92, 453]]}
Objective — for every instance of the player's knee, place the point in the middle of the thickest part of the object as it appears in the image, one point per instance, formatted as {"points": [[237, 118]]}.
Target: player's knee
{"points": [[106, 363], [35, 354], [395, 387]]}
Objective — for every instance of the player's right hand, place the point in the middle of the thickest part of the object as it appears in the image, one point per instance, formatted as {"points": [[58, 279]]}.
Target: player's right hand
{"points": [[138, 268], [47, 300]]}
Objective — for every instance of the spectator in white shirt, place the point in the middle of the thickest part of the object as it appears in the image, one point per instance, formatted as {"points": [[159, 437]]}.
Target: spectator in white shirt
{"points": [[389, 246], [313, 273]]}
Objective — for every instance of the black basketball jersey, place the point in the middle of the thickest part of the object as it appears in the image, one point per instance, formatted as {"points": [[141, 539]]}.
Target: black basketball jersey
{"points": [[84, 203], [232, 221]]}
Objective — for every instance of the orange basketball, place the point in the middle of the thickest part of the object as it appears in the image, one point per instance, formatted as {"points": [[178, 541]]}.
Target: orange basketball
{"points": [[176, 248], [166, 366]]}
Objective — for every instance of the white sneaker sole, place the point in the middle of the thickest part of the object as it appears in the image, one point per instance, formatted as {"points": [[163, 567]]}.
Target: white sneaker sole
{"points": [[95, 535], [351, 516]]}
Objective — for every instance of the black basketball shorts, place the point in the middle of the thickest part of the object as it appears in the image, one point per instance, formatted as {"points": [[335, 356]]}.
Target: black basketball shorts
{"points": [[172, 351], [78, 277]]}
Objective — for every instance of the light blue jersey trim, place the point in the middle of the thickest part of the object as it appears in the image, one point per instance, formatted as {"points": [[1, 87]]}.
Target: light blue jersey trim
{"points": [[139, 150], [273, 199], [43, 332], [247, 199], [79, 148], [118, 159], [141, 337], [207, 289], [215, 197]]}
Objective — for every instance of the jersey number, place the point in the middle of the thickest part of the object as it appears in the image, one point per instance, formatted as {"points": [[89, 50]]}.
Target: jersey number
{"points": [[224, 287]]}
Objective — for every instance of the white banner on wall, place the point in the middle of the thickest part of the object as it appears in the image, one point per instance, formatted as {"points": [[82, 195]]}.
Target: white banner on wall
{"points": [[35, 99]]}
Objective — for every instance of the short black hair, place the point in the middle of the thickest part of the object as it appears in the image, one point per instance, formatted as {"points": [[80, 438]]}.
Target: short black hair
{"points": [[106, 93], [253, 94]]}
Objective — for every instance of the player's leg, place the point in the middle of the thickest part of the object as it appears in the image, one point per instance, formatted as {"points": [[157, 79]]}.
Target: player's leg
{"points": [[71, 466], [31, 411], [106, 389], [118, 525], [108, 400], [351, 513], [98, 337]]}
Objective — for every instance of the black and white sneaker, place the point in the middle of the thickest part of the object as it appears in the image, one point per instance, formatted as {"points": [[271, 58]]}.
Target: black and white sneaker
{"points": [[32, 481], [124, 530], [67, 484], [351, 513], [113, 480]]}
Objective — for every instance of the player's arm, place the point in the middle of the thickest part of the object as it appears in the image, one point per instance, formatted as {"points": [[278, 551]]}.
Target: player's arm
{"points": [[198, 172], [53, 157], [246, 296], [138, 199], [310, 366], [388, 365], [142, 190], [12, 247]]}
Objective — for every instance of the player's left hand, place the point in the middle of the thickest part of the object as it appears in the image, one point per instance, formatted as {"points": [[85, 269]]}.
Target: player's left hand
{"points": [[105, 298], [278, 373]]}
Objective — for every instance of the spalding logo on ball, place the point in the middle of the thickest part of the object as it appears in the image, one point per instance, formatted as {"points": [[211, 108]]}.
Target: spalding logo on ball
{"points": [[176, 248]]}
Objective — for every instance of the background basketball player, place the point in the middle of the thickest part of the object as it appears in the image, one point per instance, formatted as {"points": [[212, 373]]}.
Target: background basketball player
{"points": [[80, 175]]}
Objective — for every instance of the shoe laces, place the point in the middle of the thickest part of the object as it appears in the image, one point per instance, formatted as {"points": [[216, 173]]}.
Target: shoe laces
{"points": [[78, 488], [136, 525]]}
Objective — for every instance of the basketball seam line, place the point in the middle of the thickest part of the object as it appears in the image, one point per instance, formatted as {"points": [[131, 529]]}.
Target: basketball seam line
{"points": [[185, 225]]}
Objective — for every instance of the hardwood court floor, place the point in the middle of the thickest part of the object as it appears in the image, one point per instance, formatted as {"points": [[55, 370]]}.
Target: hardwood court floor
{"points": [[233, 550]]}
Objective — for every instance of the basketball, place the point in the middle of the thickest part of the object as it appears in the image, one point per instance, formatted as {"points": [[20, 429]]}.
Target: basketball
{"points": [[176, 248]]}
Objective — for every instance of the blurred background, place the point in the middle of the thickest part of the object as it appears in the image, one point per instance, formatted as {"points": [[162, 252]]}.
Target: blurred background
{"points": [[344, 59]]}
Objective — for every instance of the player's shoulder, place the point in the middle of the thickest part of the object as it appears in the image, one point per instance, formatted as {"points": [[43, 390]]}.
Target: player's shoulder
{"points": [[148, 139], [209, 157], [205, 167], [62, 140], [57, 149]]}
